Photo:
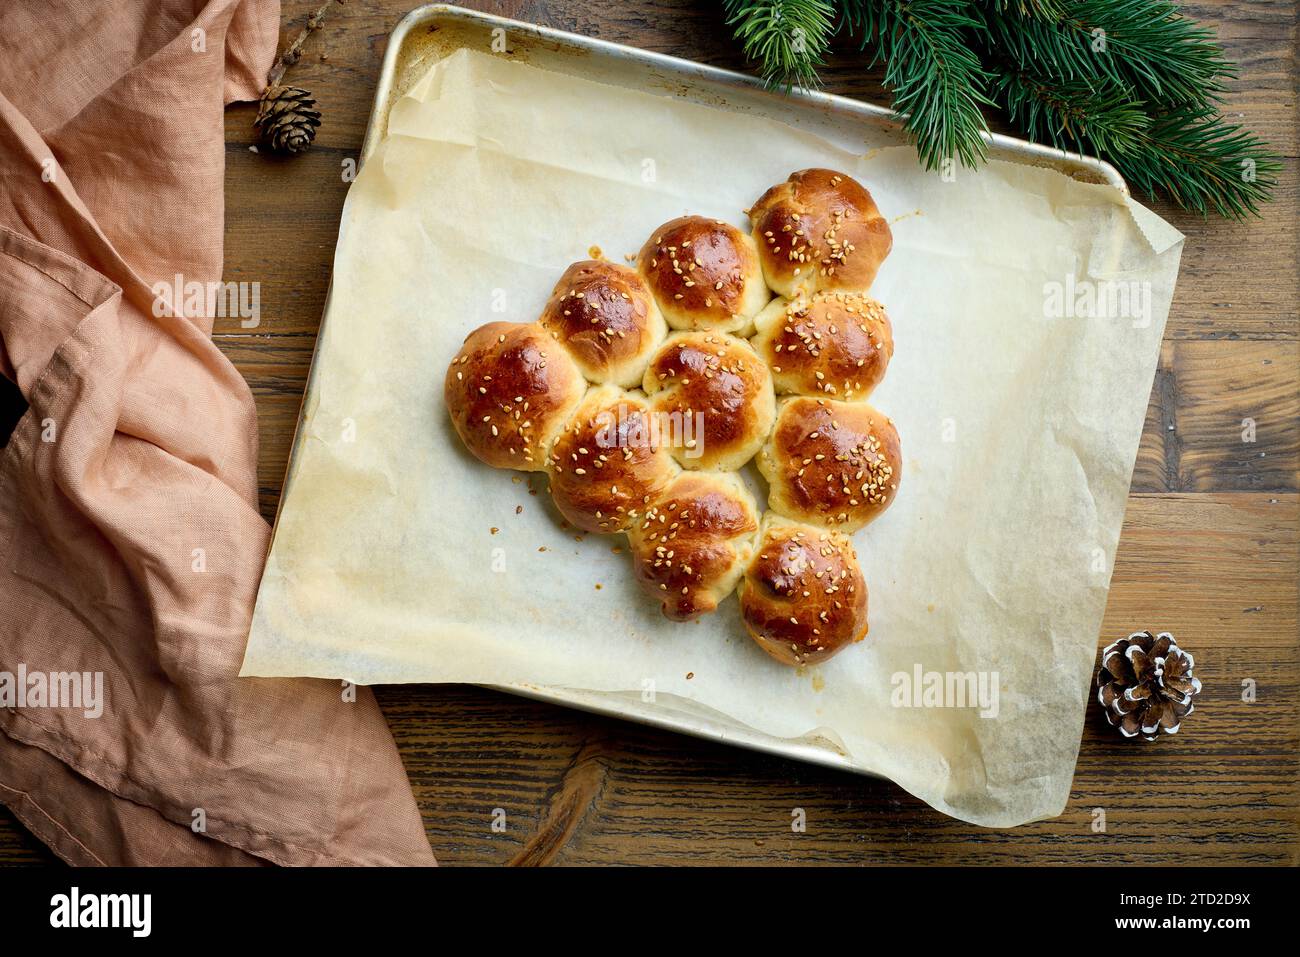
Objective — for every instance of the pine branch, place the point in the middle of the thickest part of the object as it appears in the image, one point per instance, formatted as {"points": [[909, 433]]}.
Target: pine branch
{"points": [[930, 68], [1132, 81], [1146, 44], [1044, 44], [1046, 9], [1202, 162], [1191, 154], [1073, 115], [789, 38], [293, 53]]}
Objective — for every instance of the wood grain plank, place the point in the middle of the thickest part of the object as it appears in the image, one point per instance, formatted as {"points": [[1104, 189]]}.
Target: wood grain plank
{"points": [[1217, 569], [1209, 548], [1214, 792], [18, 846], [1224, 416], [1238, 279], [276, 369], [1222, 791], [1240, 553]]}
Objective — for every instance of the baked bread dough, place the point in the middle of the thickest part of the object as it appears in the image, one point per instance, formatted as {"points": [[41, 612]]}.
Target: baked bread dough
{"points": [[716, 394], [803, 597], [691, 546], [831, 463], [604, 315], [819, 230], [605, 466], [510, 390], [832, 344], [659, 463], [704, 274]]}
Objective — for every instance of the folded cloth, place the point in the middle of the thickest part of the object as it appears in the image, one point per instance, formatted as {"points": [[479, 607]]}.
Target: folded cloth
{"points": [[130, 539]]}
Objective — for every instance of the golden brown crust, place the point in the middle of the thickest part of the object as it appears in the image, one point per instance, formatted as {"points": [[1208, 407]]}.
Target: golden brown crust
{"points": [[831, 463], [691, 546], [604, 315], [605, 467], [704, 274], [509, 390], [803, 597], [717, 393], [819, 230], [833, 344]]}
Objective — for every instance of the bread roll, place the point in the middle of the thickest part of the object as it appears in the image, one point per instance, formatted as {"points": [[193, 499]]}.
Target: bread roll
{"points": [[509, 391], [819, 230], [831, 463], [691, 546], [607, 466], [704, 274], [604, 315], [834, 344], [803, 597], [716, 394]]}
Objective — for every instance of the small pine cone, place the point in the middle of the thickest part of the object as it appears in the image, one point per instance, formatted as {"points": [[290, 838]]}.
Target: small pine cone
{"points": [[1145, 685], [286, 121]]}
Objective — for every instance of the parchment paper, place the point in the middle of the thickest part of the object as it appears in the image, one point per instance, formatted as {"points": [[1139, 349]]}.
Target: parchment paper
{"points": [[1019, 435]]}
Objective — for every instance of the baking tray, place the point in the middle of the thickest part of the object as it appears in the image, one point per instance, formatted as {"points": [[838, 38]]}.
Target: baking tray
{"points": [[430, 33]]}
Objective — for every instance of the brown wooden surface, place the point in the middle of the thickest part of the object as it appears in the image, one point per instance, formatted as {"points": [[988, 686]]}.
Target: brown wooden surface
{"points": [[1210, 549]]}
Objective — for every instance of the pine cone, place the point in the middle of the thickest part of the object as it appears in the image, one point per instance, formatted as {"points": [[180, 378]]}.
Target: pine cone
{"points": [[1145, 684], [286, 122]]}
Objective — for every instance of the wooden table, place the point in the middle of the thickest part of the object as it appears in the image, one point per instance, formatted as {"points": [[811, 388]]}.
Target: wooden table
{"points": [[1210, 548]]}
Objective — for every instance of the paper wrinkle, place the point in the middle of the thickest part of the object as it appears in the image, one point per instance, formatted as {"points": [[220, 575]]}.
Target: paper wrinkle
{"points": [[384, 568]]}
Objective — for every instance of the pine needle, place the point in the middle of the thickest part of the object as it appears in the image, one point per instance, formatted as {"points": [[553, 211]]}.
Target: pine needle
{"points": [[935, 76], [1073, 115], [1145, 44], [789, 38], [1191, 154], [1201, 162], [1132, 81]]}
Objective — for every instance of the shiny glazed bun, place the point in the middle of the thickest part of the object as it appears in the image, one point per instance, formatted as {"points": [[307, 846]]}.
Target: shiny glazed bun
{"points": [[716, 394], [819, 230], [803, 597], [704, 274], [691, 546], [834, 344], [604, 315], [831, 463], [639, 394], [605, 466], [510, 390]]}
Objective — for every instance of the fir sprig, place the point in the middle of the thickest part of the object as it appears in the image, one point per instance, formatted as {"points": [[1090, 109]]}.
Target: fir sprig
{"points": [[788, 37], [930, 68], [1074, 112], [1168, 58], [1140, 93], [1132, 81], [1202, 162]]}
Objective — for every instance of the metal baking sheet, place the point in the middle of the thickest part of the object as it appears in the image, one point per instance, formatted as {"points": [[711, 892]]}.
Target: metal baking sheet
{"points": [[430, 33]]}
